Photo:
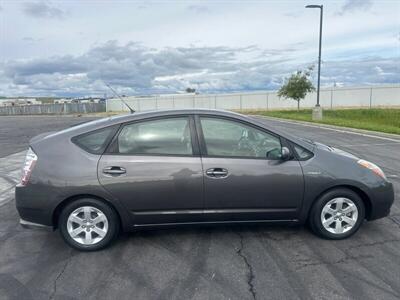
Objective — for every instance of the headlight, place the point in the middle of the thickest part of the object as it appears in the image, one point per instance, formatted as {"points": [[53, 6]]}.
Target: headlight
{"points": [[374, 168]]}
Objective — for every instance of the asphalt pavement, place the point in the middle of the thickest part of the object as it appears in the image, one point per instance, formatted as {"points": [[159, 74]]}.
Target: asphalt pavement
{"points": [[16, 131], [229, 262]]}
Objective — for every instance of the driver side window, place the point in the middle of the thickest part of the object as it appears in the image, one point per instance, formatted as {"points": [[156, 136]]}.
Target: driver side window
{"points": [[234, 139]]}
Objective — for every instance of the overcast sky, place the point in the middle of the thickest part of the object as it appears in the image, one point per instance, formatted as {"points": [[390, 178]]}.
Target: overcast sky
{"points": [[71, 48]]}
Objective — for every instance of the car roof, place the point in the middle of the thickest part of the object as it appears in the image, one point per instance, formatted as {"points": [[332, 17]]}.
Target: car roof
{"points": [[167, 112], [114, 120], [104, 122]]}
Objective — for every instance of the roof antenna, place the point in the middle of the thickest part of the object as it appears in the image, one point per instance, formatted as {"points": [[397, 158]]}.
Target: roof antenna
{"points": [[123, 101]]}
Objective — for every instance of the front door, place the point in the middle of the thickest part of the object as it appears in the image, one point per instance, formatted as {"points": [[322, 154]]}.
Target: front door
{"points": [[240, 181], [153, 169]]}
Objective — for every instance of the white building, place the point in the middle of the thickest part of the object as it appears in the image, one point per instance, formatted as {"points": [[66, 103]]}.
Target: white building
{"points": [[19, 101]]}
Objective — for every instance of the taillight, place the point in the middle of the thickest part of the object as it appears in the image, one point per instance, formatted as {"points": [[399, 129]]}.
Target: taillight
{"points": [[29, 164]]}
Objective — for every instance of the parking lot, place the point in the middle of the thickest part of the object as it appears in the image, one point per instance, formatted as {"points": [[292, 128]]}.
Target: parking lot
{"points": [[219, 262]]}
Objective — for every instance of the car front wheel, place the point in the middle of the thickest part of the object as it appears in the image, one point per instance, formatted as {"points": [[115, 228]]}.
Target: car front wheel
{"points": [[88, 224], [337, 214]]}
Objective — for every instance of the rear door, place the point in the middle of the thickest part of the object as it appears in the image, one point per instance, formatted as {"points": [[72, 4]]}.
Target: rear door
{"points": [[240, 182], [153, 167]]}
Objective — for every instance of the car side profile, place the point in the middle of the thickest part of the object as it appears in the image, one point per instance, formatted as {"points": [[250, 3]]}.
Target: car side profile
{"points": [[197, 166]]}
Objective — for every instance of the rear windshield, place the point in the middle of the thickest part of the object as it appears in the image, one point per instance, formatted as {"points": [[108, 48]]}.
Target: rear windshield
{"points": [[95, 141]]}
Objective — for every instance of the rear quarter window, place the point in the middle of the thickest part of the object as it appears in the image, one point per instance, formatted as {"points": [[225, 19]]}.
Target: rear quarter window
{"points": [[95, 141]]}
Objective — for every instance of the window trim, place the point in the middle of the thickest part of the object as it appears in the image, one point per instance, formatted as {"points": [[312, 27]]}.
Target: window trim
{"points": [[114, 130], [111, 148], [203, 146]]}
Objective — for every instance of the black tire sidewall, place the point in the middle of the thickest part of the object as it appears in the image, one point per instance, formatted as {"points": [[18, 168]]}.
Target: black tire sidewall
{"points": [[113, 223], [315, 216]]}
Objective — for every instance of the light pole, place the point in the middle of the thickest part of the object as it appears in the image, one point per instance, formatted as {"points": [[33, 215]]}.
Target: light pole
{"points": [[317, 111]]}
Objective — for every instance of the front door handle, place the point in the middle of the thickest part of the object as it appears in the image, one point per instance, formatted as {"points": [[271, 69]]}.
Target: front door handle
{"points": [[114, 170], [217, 172]]}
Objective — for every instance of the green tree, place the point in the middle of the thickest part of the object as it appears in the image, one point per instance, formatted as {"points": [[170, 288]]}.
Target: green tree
{"points": [[190, 90], [297, 86]]}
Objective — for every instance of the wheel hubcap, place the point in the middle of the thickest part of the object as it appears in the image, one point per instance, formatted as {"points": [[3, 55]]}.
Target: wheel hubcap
{"points": [[87, 225], [339, 215]]}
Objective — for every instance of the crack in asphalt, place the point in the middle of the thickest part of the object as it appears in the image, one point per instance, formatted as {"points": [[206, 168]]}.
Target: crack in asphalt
{"points": [[250, 276], [52, 295], [391, 218], [305, 263], [372, 244]]}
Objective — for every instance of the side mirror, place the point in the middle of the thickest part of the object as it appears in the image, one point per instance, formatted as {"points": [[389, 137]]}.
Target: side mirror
{"points": [[285, 153], [279, 154]]}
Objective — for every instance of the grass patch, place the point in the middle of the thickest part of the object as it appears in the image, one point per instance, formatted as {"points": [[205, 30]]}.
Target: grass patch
{"points": [[382, 120]]}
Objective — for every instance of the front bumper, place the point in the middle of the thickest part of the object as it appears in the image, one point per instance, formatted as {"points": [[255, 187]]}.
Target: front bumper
{"points": [[381, 201]]}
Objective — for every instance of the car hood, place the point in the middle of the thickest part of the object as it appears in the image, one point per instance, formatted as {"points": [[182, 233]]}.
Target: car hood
{"points": [[324, 147], [335, 150]]}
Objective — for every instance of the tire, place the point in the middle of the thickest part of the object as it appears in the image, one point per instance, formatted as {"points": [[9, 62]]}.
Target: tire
{"points": [[101, 230], [338, 223]]}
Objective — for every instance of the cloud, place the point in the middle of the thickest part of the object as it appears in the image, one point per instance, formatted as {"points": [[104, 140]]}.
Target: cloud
{"points": [[292, 14], [29, 39], [42, 10], [355, 5], [367, 71], [62, 65], [135, 69], [199, 9]]}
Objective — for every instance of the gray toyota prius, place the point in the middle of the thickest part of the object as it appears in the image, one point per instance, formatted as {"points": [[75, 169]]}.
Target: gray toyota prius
{"points": [[181, 167]]}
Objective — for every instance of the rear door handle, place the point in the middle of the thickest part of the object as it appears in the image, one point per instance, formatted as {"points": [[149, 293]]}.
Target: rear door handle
{"points": [[114, 170], [217, 172]]}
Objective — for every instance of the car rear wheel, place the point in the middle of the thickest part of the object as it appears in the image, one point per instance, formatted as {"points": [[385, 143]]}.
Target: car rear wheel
{"points": [[88, 224], [337, 214]]}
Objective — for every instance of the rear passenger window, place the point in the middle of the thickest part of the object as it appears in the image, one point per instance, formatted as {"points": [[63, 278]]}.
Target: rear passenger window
{"points": [[94, 142], [163, 136]]}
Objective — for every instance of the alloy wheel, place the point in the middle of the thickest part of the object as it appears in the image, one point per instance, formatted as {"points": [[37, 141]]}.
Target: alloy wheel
{"points": [[87, 225], [339, 215]]}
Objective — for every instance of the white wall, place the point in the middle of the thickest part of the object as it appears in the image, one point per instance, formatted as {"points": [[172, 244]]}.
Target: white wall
{"points": [[373, 96]]}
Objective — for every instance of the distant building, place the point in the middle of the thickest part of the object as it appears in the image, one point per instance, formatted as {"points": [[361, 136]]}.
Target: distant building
{"points": [[80, 100], [88, 100], [62, 100], [19, 101]]}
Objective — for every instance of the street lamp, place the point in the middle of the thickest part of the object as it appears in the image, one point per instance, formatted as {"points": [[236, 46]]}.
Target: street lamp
{"points": [[317, 111]]}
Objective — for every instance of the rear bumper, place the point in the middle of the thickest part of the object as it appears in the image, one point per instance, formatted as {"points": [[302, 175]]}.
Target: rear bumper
{"points": [[31, 225], [32, 207]]}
